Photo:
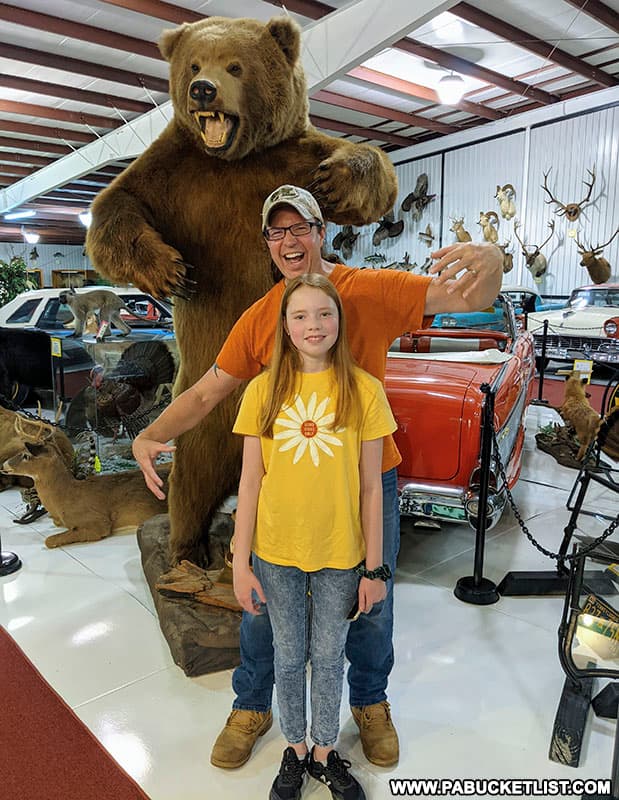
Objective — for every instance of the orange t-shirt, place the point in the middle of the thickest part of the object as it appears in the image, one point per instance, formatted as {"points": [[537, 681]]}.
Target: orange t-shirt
{"points": [[380, 305]]}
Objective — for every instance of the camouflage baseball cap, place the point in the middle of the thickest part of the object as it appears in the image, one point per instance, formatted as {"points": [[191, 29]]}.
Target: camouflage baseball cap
{"points": [[300, 199]]}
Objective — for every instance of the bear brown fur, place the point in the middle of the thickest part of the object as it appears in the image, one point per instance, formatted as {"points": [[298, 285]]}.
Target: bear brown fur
{"points": [[196, 200]]}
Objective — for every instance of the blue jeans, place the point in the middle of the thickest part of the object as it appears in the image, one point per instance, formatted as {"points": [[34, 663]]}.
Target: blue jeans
{"points": [[324, 628], [369, 646]]}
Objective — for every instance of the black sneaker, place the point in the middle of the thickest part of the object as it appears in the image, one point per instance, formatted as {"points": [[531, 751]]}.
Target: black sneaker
{"points": [[336, 776], [287, 785]]}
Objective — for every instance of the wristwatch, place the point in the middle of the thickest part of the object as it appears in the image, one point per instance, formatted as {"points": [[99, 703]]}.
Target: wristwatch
{"points": [[382, 573]]}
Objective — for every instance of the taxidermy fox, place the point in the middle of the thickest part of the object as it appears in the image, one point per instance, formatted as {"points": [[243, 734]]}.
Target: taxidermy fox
{"points": [[577, 411]]}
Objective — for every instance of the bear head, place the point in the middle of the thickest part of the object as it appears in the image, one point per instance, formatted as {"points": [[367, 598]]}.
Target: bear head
{"points": [[237, 85]]}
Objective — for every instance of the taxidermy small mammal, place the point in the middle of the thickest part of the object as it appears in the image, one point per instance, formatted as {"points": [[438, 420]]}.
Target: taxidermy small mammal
{"points": [[89, 509], [457, 227], [105, 302], [577, 411]]}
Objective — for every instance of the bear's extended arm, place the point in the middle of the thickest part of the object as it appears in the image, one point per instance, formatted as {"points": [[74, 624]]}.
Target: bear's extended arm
{"points": [[125, 247], [355, 183]]}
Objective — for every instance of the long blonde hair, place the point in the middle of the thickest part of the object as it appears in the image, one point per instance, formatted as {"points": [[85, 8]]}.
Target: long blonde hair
{"points": [[286, 363]]}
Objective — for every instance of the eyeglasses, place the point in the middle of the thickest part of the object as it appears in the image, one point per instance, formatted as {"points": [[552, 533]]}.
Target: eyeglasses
{"points": [[298, 229]]}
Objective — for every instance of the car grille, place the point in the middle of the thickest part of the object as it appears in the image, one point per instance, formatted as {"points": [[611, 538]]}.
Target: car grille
{"points": [[593, 345]]}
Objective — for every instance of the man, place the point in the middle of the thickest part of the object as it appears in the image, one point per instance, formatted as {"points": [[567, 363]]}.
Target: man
{"points": [[379, 306]]}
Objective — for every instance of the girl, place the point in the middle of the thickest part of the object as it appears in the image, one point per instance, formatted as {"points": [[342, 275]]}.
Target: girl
{"points": [[310, 510]]}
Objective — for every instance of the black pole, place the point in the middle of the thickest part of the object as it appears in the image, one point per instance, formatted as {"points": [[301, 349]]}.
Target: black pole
{"points": [[477, 589], [542, 371]]}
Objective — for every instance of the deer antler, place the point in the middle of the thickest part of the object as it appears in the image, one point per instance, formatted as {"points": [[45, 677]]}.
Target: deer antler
{"points": [[522, 244], [602, 246], [569, 210], [39, 431], [551, 225]]}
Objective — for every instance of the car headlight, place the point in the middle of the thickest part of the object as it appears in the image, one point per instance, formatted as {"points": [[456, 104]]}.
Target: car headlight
{"points": [[611, 327]]}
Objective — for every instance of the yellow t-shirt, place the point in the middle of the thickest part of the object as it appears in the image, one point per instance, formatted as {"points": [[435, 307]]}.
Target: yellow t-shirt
{"points": [[380, 304], [309, 504]]}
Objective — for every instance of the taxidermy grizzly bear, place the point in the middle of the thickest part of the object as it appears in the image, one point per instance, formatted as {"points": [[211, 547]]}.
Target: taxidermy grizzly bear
{"points": [[240, 129]]}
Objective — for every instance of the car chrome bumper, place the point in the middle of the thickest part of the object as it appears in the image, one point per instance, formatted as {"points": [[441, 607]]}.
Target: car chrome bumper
{"points": [[448, 505]]}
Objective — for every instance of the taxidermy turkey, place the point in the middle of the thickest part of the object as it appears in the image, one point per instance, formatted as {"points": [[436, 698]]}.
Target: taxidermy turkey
{"points": [[121, 398]]}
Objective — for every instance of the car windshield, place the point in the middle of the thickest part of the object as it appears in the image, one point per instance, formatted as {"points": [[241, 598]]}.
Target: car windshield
{"points": [[493, 318], [580, 298]]}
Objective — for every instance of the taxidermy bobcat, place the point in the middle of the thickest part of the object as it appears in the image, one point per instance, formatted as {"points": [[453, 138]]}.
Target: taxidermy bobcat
{"points": [[577, 411]]}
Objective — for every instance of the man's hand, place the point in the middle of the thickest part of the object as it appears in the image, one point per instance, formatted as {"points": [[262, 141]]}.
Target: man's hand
{"points": [[145, 452], [478, 264]]}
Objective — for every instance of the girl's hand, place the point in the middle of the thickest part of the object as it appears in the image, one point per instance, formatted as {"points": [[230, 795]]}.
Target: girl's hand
{"points": [[370, 592], [145, 452], [244, 581]]}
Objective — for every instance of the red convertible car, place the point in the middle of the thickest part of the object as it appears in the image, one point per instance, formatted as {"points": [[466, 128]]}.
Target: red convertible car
{"points": [[433, 383]]}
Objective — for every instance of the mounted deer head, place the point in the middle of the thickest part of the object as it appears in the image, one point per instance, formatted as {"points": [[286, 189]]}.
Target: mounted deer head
{"points": [[597, 267], [508, 258], [487, 227], [572, 210], [536, 262], [505, 195], [457, 226]]}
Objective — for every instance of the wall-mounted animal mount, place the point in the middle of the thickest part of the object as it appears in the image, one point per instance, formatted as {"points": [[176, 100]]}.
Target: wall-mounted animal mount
{"points": [[570, 211], [375, 259], [419, 198], [89, 509], [427, 237], [506, 195], [387, 228], [487, 221], [597, 267], [457, 227], [536, 262], [105, 302], [508, 258]]}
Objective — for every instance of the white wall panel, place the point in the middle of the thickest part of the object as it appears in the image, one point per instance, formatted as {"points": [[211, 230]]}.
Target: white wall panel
{"points": [[571, 147], [471, 177]]}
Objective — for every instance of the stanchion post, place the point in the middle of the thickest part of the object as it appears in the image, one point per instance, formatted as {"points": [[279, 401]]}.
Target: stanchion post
{"points": [[542, 363], [477, 589]]}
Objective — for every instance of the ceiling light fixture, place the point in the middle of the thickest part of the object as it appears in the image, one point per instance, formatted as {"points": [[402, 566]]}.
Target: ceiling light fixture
{"points": [[27, 212], [450, 89], [85, 218], [31, 238]]}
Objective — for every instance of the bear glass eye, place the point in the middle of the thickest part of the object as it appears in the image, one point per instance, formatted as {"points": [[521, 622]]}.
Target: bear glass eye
{"points": [[234, 69], [195, 69]]}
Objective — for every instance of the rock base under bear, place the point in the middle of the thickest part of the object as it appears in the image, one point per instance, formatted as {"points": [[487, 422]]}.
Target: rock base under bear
{"points": [[202, 638]]}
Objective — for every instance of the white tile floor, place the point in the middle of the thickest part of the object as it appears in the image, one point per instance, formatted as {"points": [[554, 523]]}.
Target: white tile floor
{"points": [[474, 689]]}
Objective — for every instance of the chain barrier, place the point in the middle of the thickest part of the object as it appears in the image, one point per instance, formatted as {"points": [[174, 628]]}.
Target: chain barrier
{"points": [[556, 556]]}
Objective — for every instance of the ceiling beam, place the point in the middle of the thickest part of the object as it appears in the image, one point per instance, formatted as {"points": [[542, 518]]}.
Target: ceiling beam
{"points": [[357, 31], [79, 67], [77, 30], [58, 114], [531, 43], [599, 11], [420, 92], [457, 64], [357, 130], [13, 169], [71, 93], [24, 158], [45, 131], [391, 114], [306, 8], [29, 144], [158, 9]]}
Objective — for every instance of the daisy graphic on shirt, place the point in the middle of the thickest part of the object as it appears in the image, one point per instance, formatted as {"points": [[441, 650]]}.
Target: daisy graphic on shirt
{"points": [[307, 429]]}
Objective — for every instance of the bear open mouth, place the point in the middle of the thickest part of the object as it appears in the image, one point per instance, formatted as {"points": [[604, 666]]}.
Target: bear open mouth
{"points": [[216, 128]]}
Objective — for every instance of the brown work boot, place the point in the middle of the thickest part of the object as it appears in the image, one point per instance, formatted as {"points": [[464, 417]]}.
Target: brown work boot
{"points": [[379, 737], [234, 744]]}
